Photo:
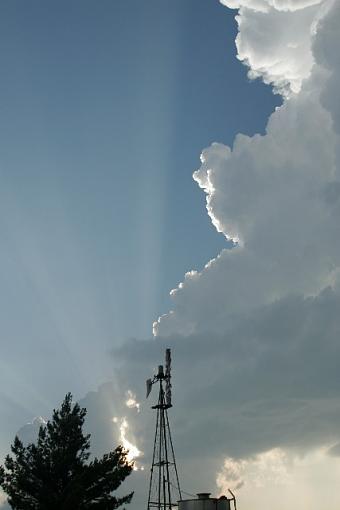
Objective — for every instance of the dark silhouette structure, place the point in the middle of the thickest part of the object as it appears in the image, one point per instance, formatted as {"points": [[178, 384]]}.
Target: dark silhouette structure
{"points": [[164, 488], [55, 473]]}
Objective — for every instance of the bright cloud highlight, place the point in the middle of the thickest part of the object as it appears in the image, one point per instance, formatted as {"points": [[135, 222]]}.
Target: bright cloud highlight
{"points": [[133, 451]]}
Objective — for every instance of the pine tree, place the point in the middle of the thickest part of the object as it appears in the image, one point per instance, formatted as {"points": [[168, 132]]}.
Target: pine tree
{"points": [[55, 473]]}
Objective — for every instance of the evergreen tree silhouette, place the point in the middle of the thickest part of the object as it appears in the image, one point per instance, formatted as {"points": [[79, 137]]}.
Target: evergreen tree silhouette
{"points": [[55, 473]]}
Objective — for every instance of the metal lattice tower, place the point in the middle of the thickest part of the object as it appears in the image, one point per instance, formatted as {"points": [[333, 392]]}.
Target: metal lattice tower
{"points": [[164, 488]]}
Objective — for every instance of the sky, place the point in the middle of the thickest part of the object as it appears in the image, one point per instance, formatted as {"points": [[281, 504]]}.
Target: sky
{"points": [[167, 145]]}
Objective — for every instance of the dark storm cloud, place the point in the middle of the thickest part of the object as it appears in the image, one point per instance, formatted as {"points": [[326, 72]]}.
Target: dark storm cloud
{"points": [[271, 380]]}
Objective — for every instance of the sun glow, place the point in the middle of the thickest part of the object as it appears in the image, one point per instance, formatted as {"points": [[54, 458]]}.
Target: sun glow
{"points": [[133, 450], [131, 401]]}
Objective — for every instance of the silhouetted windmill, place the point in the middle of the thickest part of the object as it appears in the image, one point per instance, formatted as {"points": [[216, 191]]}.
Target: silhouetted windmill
{"points": [[164, 488]]}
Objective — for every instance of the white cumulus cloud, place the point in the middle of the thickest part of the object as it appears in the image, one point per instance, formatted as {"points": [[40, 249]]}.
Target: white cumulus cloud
{"points": [[275, 39], [277, 195]]}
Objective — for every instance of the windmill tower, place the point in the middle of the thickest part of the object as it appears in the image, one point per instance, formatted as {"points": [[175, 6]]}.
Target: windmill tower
{"points": [[164, 489]]}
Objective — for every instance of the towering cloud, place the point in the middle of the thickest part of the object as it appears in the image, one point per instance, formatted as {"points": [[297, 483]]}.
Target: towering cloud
{"points": [[276, 195], [264, 314]]}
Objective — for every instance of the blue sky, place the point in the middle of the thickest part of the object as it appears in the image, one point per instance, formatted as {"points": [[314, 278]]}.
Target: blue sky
{"points": [[105, 108]]}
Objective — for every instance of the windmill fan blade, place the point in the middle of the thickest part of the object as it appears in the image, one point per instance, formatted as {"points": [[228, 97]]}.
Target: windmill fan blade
{"points": [[168, 359], [168, 393], [148, 387], [168, 377]]}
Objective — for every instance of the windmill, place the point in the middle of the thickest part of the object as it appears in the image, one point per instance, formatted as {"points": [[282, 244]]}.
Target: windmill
{"points": [[164, 488]]}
